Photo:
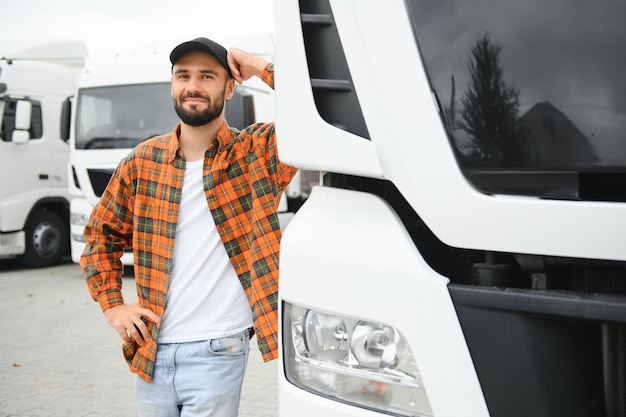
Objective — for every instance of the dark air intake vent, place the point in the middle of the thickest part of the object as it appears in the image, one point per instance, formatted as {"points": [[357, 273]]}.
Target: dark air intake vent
{"points": [[333, 90]]}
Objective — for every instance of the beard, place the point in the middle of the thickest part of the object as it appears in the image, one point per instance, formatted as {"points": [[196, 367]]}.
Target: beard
{"points": [[193, 116]]}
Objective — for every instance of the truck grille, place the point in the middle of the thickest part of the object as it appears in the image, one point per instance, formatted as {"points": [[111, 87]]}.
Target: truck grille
{"points": [[99, 179]]}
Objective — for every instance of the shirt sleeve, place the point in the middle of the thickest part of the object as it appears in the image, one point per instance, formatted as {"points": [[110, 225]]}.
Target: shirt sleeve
{"points": [[281, 174], [107, 234], [268, 75]]}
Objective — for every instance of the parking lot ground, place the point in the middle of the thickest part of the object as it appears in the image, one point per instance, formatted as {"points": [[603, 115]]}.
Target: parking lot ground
{"points": [[58, 357]]}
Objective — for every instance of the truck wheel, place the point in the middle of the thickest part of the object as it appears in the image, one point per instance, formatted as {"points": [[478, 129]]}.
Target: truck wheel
{"points": [[46, 240]]}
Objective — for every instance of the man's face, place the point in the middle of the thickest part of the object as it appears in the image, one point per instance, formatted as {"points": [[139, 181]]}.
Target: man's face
{"points": [[200, 85]]}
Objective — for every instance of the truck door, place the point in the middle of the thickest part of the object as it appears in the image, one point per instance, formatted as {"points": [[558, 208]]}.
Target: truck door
{"points": [[23, 166]]}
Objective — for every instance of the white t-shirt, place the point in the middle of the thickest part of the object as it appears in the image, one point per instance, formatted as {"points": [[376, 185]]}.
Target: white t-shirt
{"points": [[205, 299]]}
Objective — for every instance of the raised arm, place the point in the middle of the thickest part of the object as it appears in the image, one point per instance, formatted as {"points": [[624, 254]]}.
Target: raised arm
{"points": [[244, 65]]}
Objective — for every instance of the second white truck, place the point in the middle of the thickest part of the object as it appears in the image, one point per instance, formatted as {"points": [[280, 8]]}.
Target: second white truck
{"points": [[121, 101], [36, 82]]}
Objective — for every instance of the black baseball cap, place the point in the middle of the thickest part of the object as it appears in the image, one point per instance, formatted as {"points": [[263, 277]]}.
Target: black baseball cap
{"points": [[202, 44]]}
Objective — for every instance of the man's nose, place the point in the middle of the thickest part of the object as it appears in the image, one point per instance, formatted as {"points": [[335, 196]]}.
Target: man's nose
{"points": [[193, 85]]}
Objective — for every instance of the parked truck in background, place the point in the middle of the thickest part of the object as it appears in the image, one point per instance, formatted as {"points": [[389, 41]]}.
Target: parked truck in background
{"points": [[121, 101], [36, 80], [465, 253]]}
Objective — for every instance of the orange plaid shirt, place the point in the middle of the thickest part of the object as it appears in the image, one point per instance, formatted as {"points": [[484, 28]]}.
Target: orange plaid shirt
{"points": [[243, 182]]}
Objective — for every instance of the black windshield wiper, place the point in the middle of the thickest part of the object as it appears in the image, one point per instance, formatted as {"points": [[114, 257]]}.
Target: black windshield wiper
{"points": [[110, 143], [98, 143]]}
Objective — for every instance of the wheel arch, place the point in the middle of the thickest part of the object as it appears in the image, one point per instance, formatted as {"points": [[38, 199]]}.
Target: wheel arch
{"points": [[59, 205]]}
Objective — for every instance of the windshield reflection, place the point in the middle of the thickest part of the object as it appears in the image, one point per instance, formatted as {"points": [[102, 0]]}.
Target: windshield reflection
{"points": [[528, 84], [123, 116]]}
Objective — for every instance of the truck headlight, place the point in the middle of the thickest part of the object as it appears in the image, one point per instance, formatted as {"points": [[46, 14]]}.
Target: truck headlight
{"points": [[79, 219], [359, 362]]}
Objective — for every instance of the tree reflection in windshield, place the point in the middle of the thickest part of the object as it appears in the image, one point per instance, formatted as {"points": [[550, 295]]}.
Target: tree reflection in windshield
{"points": [[557, 63], [490, 131]]}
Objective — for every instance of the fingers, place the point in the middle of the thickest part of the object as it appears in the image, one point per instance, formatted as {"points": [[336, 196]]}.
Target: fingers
{"points": [[233, 64], [125, 335], [244, 65], [138, 333], [134, 332], [150, 315], [126, 319]]}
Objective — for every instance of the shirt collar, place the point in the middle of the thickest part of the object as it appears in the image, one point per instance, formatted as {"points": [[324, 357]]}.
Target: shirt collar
{"points": [[222, 137], [173, 147]]}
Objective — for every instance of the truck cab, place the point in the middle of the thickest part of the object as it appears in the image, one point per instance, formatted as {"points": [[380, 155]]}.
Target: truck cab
{"points": [[34, 197], [119, 102], [463, 254]]}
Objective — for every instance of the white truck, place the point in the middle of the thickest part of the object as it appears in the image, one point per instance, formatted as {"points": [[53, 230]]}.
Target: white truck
{"points": [[122, 101], [465, 253], [119, 102], [36, 80]]}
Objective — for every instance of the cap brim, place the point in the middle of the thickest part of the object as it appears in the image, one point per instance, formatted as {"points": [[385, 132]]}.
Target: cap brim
{"points": [[194, 45]]}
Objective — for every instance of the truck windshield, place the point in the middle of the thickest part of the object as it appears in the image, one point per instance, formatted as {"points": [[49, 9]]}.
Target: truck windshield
{"points": [[123, 116], [528, 86]]}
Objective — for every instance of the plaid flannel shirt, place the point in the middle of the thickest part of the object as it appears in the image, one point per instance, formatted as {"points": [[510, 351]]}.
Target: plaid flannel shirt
{"points": [[243, 182]]}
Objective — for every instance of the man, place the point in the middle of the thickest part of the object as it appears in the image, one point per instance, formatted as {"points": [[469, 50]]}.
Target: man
{"points": [[198, 206]]}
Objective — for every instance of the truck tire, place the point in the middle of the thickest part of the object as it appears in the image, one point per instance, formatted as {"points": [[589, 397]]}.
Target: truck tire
{"points": [[46, 240]]}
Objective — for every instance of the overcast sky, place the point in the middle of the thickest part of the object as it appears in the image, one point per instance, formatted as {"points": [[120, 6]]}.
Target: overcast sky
{"points": [[119, 26]]}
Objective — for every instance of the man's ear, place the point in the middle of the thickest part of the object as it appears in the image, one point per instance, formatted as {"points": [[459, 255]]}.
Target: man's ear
{"points": [[230, 89]]}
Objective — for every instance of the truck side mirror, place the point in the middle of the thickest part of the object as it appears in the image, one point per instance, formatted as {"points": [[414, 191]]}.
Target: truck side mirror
{"points": [[23, 111], [66, 115], [20, 137]]}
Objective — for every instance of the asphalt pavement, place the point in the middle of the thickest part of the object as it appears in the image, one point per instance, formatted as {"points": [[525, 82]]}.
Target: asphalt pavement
{"points": [[58, 356]]}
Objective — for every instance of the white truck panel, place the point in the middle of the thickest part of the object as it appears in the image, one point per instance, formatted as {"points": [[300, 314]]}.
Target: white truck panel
{"points": [[389, 71], [353, 243], [457, 213], [319, 146]]}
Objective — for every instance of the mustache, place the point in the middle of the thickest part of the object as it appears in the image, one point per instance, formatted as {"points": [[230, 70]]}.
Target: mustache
{"points": [[195, 95]]}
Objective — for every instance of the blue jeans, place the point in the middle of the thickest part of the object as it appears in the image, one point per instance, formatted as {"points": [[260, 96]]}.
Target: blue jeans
{"points": [[195, 379]]}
